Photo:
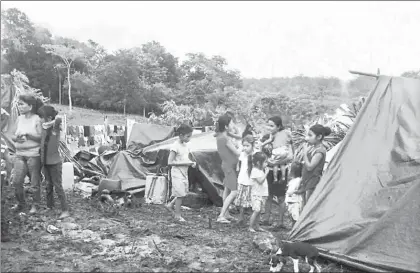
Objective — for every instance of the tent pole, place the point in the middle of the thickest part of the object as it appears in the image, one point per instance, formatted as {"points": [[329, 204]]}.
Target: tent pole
{"points": [[364, 74]]}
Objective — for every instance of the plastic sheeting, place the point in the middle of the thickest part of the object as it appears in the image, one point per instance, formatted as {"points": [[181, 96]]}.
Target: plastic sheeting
{"points": [[366, 208], [145, 134]]}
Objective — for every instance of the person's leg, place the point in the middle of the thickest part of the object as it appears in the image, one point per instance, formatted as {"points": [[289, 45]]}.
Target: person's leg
{"points": [[282, 209], [56, 176], [275, 171], [34, 167], [229, 199], [241, 215], [20, 170], [253, 221], [178, 203], [49, 186], [268, 204]]}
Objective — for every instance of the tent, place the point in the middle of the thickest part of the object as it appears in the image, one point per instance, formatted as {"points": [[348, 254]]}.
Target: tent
{"points": [[365, 212]]}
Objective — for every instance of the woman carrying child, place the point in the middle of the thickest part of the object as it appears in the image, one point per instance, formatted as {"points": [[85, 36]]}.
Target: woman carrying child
{"points": [[279, 139], [259, 192], [229, 155], [51, 159], [243, 199], [314, 154], [180, 161]]}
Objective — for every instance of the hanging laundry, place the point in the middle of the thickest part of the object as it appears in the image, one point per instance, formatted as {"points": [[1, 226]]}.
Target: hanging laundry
{"points": [[115, 128], [82, 142], [70, 130], [77, 131], [92, 130], [81, 130], [86, 130]]}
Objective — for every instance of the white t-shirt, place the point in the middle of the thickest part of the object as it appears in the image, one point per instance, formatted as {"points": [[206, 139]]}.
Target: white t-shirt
{"points": [[293, 185], [257, 188], [182, 152], [243, 177]]}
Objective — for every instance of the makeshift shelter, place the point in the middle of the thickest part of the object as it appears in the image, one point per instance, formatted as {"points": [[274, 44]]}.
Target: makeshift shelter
{"points": [[365, 211], [132, 166]]}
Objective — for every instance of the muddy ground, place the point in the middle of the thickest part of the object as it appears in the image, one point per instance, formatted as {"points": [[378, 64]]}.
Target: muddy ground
{"points": [[144, 238]]}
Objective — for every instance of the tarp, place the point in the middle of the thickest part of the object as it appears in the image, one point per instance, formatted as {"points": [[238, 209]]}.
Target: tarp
{"points": [[366, 208], [203, 150], [145, 134]]}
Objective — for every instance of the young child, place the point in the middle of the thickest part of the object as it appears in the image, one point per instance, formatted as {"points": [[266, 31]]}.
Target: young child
{"points": [[51, 159], [294, 200], [243, 198], [259, 192], [278, 158], [314, 154], [180, 162]]}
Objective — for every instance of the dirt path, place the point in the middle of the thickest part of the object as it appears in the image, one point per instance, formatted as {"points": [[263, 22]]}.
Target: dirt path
{"points": [[141, 239]]}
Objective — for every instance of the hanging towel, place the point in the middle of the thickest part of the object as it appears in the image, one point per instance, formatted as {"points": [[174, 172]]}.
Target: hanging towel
{"points": [[81, 142], [86, 130], [77, 131], [92, 130], [115, 128]]}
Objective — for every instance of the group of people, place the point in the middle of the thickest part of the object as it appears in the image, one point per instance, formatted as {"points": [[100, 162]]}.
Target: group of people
{"points": [[36, 137], [253, 173]]}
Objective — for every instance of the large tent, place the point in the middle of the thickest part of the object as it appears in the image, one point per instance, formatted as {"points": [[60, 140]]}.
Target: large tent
{"points": [[365, 211]]}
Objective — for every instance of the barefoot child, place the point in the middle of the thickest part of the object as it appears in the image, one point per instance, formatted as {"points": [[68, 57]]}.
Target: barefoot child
{"points": [[180, 162], [259, 192], [51, 159], [243, 198]]}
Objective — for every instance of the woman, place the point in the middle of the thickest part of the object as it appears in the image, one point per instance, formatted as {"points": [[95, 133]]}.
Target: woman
{"points": [[27, 138], [229, 155], [281, 137]]}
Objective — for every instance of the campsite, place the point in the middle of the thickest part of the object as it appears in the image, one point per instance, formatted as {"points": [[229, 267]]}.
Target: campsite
{"points": [[112, 152]]}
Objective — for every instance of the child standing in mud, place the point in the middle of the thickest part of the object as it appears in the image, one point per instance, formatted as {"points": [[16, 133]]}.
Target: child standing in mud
{"points": [[259, 192], [243, 198], [51, 159], [180, 162]]}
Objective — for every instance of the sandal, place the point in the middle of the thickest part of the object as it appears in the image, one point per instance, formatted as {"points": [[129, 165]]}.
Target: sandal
{"points": [[222, 220]]}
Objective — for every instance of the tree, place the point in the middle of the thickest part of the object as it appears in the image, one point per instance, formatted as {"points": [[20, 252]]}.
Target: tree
{"points": [[412, 74], [68, 55]]}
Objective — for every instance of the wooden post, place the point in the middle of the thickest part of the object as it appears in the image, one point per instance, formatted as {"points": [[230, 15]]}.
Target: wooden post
{"points": [[364, 74]]}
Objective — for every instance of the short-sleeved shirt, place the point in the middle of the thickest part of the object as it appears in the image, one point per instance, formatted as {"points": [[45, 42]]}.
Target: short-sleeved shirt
{"points": [[243, 177], [31, 125], [228, 157], [282, 138], [258, 189], [50, 154], [311, 178], [182, 153]]}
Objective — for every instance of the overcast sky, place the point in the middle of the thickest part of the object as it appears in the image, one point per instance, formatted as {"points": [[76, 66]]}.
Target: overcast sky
{"points": [[261, 39]]}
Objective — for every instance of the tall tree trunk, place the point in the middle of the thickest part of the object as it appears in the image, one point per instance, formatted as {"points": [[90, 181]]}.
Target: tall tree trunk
{"points": [[144, 111], [59, 87], [68, 79]]}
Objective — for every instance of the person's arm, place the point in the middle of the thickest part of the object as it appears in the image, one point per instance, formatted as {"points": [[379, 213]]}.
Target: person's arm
{"points": [[268, 141], [171, 159], [260, 179], [37, 136], [234, 135], [311, 164], [16, 135]]}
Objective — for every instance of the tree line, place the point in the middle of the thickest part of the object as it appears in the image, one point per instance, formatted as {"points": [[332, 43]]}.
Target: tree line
{"points": [[149, 80]]}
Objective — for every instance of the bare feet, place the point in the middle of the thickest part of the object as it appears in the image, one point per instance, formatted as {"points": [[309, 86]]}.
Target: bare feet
{"points": [[169, 208], [222, 220], [180, 219], [252, 230]]}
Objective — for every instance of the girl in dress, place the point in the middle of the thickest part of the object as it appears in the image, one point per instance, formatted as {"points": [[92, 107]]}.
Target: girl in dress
{"points": [[243, 199]]}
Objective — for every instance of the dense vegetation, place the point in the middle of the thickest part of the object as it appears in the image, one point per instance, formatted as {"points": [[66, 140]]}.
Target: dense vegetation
{"points": [[149, 80]]}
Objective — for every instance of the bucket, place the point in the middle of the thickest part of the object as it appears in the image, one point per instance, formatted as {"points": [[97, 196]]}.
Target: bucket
{"points": [[68, 175]]}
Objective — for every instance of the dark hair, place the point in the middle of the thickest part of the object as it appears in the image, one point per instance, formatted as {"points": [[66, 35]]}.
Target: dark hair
{"points": [[222, 122], [258, 159], [320, 130], [247, 131], [32, 101], [250, 139], [278, 122], [184, 129], [230, 114], [296, 169], [47, 111]]}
